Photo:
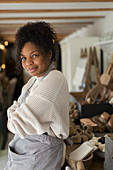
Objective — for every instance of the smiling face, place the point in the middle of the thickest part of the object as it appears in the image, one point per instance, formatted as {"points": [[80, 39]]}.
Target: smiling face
{"points": [[33, 61]]}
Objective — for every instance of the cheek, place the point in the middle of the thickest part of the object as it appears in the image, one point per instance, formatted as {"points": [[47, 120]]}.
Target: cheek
{"points": [[23, 64], [45, 61], [41, 62]]}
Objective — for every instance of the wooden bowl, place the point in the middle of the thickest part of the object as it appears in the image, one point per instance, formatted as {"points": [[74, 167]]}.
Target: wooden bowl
{"points": [[87, 161], [73, 164]]}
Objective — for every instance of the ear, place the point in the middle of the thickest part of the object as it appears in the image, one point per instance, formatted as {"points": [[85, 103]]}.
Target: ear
{"points": [[50, 55]]}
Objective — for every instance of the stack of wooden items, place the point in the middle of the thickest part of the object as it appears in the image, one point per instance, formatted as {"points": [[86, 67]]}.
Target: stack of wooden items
{"points": [[84, 130]]}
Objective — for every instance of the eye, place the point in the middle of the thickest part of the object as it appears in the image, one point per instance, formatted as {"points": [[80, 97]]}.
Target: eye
{"points": [[23, 58], [35, 55]]}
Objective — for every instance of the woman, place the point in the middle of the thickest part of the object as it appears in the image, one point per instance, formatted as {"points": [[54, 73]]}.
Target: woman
{"points": [[40, 117]]}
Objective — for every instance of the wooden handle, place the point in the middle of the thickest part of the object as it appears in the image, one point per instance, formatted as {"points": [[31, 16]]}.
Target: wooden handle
{"points": [[105, 78], [108, 69], [80, 165]]}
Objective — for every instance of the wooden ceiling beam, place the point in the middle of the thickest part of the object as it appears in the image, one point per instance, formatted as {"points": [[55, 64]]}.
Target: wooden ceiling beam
{"points": [[55, 10], [43, 18], [62, 29], [64, 23]]}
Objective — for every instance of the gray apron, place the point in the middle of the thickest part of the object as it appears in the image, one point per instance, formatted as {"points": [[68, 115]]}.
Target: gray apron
{"points": [[35, 152]]}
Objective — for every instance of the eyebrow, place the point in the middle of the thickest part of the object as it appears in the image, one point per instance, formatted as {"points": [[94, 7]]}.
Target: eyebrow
{"points": [[30, 53]]}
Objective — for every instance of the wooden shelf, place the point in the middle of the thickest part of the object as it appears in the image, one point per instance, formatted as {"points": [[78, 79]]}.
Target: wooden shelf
{"points": [[104, 43]]}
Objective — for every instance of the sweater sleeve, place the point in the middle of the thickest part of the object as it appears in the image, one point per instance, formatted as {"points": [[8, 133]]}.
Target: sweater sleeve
{"points": [[45, 108], [33, 118]]}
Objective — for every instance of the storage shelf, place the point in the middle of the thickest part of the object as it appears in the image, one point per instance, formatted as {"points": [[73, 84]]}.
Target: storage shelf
{"points": [[104, 43]]}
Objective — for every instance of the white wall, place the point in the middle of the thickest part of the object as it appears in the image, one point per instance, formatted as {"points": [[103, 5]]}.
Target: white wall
{"points": [[103, 29], [71, 53], [84, 38]]}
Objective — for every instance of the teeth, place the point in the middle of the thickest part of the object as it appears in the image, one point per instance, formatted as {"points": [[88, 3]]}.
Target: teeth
{"points": [[30, 69]]}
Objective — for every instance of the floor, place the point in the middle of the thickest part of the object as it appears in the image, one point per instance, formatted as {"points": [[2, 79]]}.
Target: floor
{"points": [[3, 159], [3, 153]]}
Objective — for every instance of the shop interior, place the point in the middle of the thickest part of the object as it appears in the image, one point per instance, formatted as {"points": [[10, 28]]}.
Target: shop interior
{"points": [[85, 38]]}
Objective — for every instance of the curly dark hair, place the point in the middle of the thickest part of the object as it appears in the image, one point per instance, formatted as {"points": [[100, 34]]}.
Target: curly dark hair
{"points": [[41, 34]]}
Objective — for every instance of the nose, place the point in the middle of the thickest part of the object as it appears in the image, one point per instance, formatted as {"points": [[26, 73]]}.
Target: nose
{"points": [[29, 61]]}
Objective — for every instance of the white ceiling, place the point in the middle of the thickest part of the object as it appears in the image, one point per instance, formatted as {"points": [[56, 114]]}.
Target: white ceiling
{"points": [[65, 16]]}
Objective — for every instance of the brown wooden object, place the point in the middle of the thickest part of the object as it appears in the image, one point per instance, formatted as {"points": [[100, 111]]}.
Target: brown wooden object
{"points": [[105, 78]]}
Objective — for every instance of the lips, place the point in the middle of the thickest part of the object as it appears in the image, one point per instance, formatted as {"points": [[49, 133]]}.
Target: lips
{"points": [[32, 69]]}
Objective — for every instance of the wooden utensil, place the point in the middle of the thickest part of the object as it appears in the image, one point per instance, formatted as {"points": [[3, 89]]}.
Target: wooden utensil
{"points": [[105, 78]]}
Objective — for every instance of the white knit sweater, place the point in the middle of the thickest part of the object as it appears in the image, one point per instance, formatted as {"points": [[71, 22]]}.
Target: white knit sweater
{"points": [[46, 108]]}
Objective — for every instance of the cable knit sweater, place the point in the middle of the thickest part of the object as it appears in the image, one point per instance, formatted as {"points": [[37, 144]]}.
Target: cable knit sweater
{"points": [[46, 108]]}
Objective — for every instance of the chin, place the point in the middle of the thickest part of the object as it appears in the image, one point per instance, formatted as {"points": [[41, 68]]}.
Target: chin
{"points": [[33, 74]]}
